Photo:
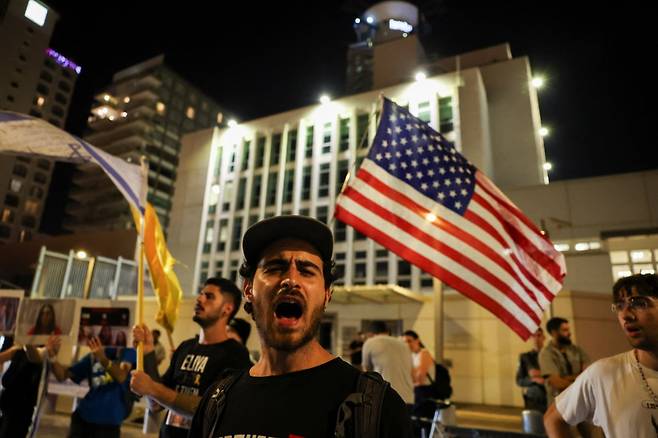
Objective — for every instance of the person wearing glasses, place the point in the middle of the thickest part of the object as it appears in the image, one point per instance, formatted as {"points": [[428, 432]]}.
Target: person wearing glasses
{"points": [[618, 393]]}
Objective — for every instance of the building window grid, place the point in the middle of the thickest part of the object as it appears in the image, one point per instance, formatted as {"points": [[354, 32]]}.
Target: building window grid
{"points": [[326, 138], [633, 261]]}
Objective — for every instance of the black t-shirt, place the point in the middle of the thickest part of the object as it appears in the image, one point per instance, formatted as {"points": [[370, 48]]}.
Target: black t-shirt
{"points": [[301, 404], [193, 368]]}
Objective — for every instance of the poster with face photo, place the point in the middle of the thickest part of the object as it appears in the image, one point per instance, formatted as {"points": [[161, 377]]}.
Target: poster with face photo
{"points": [[110, 321], [10, 301], [42, 317]]}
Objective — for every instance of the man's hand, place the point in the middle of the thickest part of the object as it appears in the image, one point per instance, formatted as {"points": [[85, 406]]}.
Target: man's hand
{"points": [[141, 383], [535, 376], [141, 333], [53, 344], [97, 350]]}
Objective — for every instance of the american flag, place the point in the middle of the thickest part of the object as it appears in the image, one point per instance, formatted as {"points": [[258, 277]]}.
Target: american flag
{"points": [[420, 198]]}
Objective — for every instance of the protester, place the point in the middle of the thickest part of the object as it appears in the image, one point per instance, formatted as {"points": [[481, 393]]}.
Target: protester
{"points": [[196, 363], [618, 393], [296, 388], [389, 357], [424, 374], [529, 375], [109, 401]]}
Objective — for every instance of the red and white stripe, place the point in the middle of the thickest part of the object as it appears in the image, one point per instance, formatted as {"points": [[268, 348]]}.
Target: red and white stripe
{"points": [[493, 254]]}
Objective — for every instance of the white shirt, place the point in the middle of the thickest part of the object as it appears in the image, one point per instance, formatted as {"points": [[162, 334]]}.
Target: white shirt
{"points": [[390, 357], [416, 359], [611, 394]]}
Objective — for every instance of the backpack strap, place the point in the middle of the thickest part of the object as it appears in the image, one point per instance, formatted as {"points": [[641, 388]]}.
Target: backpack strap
{"points": [[216, 402], [364, 406]]}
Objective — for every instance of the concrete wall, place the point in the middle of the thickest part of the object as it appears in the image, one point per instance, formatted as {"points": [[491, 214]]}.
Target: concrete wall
{"points": [[185, 227]]}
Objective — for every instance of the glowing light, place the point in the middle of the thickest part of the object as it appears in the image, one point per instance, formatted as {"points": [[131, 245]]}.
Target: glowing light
{"points": [[537, 82], [420, 76], [63, 61], [562, 247], [544, 131], [547, 166], [215, 189], [404, 35], [357, 20], [36, 12], [430, 217], [324, 99], [232, 123], [581, 246], [124, 114], [81, 254], [402, 26], [106, 98], [126, 99], [370, 20], [40, 101]]}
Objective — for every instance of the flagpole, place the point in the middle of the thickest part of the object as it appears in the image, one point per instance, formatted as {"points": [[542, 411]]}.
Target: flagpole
{"points": [[438, 319], [140, 273]]}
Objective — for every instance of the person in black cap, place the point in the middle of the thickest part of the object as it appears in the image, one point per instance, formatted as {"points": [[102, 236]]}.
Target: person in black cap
{"points": [[296, 387]]}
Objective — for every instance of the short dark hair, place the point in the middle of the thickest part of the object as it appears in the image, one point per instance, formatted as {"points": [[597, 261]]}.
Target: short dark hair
{"points": [[411, 334], [378, 327], [645, 284], [554, 324], [242, 328], [227, 287]]}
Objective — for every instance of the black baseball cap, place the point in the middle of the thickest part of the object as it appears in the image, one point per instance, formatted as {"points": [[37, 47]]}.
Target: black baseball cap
{"points": [[260, 235]]}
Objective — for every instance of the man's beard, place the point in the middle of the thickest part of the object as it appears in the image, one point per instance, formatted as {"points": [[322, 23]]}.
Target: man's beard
{"points": [[284, 341], [563, 340], [207, 321]]}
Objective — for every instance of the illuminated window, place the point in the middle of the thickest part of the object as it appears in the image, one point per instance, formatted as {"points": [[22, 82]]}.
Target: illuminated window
{"points": [[15, 185], [618, 257], [640, 255], [562, 247], [190, 112], [36, 12], [220, 117], [31, 207], [160, 108], [7, 216]]}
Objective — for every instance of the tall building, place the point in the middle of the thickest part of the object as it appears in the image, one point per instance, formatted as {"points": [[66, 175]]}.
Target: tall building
{"points": [[296, 162], [35, 80], [144, 112], [385, 32]]}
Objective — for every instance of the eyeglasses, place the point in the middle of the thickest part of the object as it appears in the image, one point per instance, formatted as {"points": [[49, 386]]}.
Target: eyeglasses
{"points": [[632, 303]]}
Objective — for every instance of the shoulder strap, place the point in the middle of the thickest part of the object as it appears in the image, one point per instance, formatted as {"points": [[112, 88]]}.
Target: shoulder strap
{"points": [[216, 402], [364, 406]]}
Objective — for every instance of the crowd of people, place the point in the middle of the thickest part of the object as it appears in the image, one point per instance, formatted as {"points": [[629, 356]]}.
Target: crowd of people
{"points": [[391, 386]]}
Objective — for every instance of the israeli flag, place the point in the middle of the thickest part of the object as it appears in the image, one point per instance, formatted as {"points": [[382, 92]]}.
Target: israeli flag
{"points": [[25, 135]]}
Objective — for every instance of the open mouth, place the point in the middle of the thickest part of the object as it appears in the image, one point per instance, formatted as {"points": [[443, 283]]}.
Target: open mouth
{"points": [[288, 312]]}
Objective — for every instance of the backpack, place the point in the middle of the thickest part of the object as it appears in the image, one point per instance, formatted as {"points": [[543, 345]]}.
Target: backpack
{"points": [[441, 388], [358, 415]]}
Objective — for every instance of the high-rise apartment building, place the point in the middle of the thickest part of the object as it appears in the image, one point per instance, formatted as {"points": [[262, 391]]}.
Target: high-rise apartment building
{"points": [[144, 112], [34, 80]]}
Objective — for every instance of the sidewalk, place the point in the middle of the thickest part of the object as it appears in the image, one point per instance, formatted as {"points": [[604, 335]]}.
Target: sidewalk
{"points": [[501, 418]]}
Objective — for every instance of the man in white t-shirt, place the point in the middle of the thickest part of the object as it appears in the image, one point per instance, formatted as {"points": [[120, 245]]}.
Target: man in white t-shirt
{"points": [[619, 393], [389, 357]]}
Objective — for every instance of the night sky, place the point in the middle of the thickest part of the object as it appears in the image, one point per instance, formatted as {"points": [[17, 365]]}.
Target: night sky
{"points": [[260, 58]]}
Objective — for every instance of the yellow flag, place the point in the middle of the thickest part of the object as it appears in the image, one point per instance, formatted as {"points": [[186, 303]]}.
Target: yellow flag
{"points": [[161, 265]]}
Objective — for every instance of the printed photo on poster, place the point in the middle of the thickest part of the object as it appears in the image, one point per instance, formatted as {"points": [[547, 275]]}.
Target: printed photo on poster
{"points": [[10, 301], [40, 318], [109, 321]]}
